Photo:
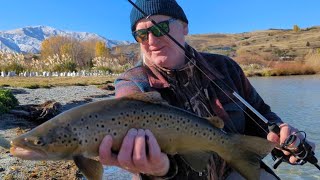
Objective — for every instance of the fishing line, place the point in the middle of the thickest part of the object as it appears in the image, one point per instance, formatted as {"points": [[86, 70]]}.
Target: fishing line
{"points": [[187, 54]]}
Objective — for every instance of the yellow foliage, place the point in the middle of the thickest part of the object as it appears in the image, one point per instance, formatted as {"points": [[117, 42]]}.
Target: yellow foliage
{"points": [[296, 28], [101, 49]]}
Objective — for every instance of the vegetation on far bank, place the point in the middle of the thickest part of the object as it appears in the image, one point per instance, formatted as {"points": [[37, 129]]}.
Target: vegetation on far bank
{"points": [[273, 52], [255, 66]]}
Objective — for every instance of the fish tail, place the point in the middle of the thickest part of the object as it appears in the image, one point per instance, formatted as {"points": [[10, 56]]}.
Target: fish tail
{"points": [[246, 157]]}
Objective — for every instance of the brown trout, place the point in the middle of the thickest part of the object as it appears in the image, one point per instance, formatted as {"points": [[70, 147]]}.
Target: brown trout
{"points": [[77, 133]]}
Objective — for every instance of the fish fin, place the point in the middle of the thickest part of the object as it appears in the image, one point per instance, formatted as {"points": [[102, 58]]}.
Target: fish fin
{"points": [[216, 121], [92, 169], [4, 143], [248, 154], [152, 97], [197, 161]]}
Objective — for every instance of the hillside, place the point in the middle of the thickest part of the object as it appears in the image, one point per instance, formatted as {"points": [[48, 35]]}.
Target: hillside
{"points": [[273, 44], [28, 39]]}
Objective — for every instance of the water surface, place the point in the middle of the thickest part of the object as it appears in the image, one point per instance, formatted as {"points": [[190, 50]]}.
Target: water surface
{"points": [[296, 99]]}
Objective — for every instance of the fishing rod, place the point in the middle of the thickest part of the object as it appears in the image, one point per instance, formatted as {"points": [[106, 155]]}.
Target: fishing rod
{"points": [[301, 149]]}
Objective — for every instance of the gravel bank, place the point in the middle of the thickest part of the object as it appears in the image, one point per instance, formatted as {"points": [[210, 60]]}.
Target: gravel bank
{"points": [[11, 126]]}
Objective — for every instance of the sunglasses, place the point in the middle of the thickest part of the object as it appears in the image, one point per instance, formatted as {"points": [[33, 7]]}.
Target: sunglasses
{"points": [[141, 35]]}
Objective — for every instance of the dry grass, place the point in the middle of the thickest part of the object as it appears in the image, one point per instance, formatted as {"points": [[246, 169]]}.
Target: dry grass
{"points": [[47, 82], [291, 68]]}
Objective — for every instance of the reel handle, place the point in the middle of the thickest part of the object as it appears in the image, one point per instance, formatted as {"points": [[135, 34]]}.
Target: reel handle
{"points": [[301, 149]]}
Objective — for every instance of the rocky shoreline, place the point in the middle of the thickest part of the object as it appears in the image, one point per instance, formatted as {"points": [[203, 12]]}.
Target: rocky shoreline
{"points": [[12, 125]]}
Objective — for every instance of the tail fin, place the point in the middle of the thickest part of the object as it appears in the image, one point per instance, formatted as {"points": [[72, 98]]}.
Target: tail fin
{"points": [[246, 157]]}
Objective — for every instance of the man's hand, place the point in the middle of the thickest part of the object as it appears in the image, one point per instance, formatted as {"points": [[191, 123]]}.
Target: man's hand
{"points": [[285, 131], [139, 153]]}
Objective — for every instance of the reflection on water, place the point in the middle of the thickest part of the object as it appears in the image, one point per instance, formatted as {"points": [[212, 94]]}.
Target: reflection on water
{"points": [[296, 100]]}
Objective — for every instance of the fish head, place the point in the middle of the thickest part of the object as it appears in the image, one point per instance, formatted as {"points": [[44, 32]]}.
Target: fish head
{"points": [[44, 143]]}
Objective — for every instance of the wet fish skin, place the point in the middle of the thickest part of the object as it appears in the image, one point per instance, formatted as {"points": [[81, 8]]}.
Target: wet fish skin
{"points": [[77, 133], [4, 143]]}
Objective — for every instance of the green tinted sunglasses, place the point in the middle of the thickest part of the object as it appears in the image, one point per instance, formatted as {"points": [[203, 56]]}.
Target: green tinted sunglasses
{"points": [[141, 35]]}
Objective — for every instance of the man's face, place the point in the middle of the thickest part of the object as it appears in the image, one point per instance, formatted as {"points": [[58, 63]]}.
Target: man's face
{"points": [[162, 51]]}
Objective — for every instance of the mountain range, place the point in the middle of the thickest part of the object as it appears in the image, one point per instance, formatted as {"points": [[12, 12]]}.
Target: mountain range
{"points": [[28, 39]]}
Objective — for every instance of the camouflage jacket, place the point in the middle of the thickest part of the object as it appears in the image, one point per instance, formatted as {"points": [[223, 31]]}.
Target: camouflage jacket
{"points": [[190, 89]]}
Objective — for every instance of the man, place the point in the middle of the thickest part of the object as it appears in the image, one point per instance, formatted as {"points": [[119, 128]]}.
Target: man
{"points": [[168, 70]]}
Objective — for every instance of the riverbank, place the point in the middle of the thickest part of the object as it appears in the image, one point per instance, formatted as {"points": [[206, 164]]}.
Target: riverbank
{"points": [[12, 126]]}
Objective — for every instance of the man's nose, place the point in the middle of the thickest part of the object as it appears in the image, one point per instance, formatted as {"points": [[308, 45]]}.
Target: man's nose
{"points": [[152, 39]]}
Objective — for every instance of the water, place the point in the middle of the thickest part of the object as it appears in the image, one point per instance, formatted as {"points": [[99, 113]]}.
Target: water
{"points": [[296, 99]]}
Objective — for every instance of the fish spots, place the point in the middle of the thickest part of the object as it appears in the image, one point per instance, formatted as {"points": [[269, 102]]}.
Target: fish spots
{"points": [[114, 134]]}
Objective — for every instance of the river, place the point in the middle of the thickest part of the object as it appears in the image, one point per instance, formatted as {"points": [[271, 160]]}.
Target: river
{"points": [[296, 99]]}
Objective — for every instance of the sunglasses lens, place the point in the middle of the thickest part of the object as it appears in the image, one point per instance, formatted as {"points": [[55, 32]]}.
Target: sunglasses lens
{"points": [[164, 27], [140, 35]]}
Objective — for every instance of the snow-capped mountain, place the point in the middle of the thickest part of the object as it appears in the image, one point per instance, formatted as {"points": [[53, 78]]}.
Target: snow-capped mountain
{"points": [[28, 39]]}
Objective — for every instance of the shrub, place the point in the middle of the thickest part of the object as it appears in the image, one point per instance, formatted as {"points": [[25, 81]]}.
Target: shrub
{"points": [[7, 101]]}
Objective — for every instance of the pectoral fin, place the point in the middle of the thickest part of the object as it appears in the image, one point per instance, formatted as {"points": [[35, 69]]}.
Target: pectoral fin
{"points": [[92, 169], [196, 160]]}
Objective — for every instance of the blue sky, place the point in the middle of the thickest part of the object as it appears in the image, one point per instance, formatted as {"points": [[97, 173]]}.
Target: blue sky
{"points": [[110, 18]]}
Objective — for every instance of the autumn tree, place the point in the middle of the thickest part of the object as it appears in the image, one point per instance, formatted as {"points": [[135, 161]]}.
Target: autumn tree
{"points": [[89, 48], [101, 49], [296, 28], [61, 45], [52, 45]]}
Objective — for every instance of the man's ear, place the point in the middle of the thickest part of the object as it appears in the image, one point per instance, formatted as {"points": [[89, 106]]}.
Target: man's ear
{"points": [[185, 28]]}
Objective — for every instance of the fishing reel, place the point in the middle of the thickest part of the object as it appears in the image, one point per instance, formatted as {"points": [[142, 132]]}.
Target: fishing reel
{"points": [[297, 147]]}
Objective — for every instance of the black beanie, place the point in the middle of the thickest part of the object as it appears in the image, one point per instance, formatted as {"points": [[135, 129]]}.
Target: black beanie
{"points": [[157, 7]]}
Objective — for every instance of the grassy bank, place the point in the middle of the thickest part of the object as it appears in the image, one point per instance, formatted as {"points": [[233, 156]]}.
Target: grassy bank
{"points": [[47, 82]]}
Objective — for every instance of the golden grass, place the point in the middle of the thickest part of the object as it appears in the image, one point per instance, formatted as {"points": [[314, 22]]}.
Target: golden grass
{"points": [[292, 68], [47, 82]]}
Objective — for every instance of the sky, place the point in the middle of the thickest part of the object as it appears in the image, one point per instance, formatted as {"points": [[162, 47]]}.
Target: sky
{"points": [[110, 18]]}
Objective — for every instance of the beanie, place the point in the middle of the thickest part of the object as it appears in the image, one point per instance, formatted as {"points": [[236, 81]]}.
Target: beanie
{"points": [[157, 7]]}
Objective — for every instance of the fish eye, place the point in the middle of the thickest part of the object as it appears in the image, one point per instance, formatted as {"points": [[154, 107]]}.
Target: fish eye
{"points": [[39, 142]]}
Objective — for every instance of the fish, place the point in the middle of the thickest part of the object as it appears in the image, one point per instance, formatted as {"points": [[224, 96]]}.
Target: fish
{"points": [[77, 133], [4, 143]]}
